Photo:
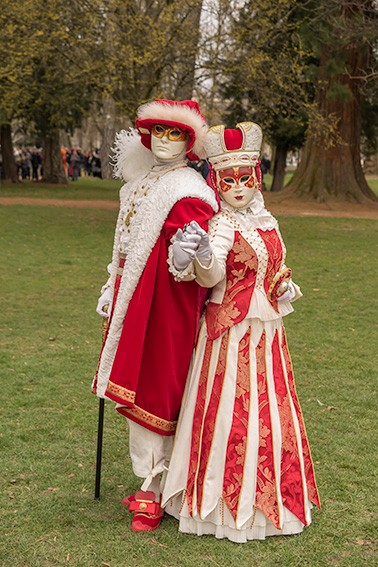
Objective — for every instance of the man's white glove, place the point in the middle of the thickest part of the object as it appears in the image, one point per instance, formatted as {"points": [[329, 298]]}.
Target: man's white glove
{"points": [[105, 299], [184, 249], [289, 294], [203, 251]]}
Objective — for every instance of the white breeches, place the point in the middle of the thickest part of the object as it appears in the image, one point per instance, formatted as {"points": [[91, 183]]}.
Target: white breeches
{"points": [[149, 452]]}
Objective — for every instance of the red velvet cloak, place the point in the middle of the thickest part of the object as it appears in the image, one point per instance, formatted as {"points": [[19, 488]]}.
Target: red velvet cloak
{"points": [[150, 368]]}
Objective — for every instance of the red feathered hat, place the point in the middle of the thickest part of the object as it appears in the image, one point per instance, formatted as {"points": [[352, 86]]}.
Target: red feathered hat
{"points": [[184, 114]]}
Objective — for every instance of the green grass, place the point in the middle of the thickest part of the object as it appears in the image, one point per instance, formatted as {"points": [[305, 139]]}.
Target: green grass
{"points": [[83, 188], [92, 188], [268, 178], [53, 264], [373, 183]]}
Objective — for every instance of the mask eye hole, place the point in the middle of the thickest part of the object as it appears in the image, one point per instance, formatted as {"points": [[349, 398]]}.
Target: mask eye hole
{"points": [[229, 180], [245, 178], [175, 134], [158, 130]]}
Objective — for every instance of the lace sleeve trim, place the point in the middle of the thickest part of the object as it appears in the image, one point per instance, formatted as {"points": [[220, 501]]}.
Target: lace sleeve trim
{"points": [[179, 275]]}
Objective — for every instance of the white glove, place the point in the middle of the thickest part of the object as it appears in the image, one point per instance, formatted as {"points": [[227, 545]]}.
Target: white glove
{"points": [[184, 249], [204, 251], [289, 294], [105, 299]]}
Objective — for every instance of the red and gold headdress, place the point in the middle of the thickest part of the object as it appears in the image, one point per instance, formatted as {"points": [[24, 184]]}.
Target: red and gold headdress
{"points": [[233, 147], [226, 147]]}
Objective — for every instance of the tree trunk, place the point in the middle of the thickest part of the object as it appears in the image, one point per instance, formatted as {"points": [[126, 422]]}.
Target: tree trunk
{"points": [[108, 135], [9, 163], [185, 86], [279, 168], [334, 171], [52, 159]]}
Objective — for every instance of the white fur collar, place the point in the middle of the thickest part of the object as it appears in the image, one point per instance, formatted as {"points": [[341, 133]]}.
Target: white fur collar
{"points": [[170, 188]]}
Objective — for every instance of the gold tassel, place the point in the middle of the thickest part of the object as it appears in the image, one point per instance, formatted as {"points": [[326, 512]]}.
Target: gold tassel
{"points": [[105, 322]]}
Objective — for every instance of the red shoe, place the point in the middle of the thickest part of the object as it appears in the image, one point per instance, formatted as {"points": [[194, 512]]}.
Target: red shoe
{"points": [[127, 500], [147, 513]]}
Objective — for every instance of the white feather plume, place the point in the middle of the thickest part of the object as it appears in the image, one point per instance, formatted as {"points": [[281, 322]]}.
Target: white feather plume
{"points": [[130, 158]]}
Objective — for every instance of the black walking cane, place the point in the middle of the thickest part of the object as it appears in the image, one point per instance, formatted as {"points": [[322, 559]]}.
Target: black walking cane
{"points": [[100, 429], [100, 426]]}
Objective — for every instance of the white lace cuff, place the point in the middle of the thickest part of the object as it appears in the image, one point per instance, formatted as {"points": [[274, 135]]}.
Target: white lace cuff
{"points": [[185, 275], [298, 293], [107, 284]]}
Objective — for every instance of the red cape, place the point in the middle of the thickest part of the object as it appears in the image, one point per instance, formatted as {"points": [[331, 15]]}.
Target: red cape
{"points": [[159, 332]]}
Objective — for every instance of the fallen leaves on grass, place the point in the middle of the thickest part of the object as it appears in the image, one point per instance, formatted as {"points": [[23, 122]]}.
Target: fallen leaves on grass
{"points": [[327, 408]]}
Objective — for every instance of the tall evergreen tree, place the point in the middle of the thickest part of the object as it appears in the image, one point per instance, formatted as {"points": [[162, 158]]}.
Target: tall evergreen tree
{"points": [[343, 33], [265, 79]]}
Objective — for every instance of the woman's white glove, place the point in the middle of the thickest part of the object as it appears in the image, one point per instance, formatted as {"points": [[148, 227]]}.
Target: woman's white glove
{"points": [[105, 299], [289, 294], [184, 249], [203, 251]]}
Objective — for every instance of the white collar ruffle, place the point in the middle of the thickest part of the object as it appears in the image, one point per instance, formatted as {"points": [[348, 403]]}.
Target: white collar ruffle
{"points": [[253, 215]]}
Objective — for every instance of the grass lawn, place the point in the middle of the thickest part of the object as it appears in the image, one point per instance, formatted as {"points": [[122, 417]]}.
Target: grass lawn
{"points": [[93, 188], [83, 188], [53, 264]]}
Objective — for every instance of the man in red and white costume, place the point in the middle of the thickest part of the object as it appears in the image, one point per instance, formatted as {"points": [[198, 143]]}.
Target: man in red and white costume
{"points": [[153, 319]]}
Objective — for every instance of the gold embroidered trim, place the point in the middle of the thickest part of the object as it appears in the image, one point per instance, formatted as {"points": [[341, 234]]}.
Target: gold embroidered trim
{"points": [[253, 517], [280, 277], [288, 367], [120, 392], [182, 500], [150, 419], [279, 526]]}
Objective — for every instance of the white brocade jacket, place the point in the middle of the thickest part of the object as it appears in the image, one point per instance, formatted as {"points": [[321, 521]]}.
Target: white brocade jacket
{"points": [[145, 203], [247, 266]]}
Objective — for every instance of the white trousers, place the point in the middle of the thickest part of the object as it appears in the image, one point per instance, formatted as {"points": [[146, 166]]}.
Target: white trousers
{"points": [[150, 454]]}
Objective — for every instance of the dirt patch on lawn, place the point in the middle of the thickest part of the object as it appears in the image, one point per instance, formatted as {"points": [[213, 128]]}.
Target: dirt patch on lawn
{"points": [[277, 203]]}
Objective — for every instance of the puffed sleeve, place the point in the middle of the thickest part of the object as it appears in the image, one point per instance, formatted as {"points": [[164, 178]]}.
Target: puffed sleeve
{"points": [[221, 235], [183, 212]]}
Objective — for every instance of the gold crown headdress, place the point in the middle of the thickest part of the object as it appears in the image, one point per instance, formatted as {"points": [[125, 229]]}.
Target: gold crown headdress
{"points": [[227, 148]]}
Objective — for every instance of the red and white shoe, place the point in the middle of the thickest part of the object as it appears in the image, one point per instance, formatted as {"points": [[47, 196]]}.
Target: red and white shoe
{"points": [[147, 513]]}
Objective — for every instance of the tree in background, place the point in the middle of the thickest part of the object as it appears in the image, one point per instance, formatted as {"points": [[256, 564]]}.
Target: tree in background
{"points": [[66, 68], [294, 66], [343, 34], [18, 42], [149, 50], [264, 76], [369, 143], [304, 68], [287, 134], [51, 69]]}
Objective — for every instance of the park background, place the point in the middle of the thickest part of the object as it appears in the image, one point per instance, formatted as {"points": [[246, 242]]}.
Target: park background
{"points": [[306, 71]]}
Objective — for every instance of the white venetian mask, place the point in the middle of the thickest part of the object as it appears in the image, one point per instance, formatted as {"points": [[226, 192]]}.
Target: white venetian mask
{"points": [[168, 143]]}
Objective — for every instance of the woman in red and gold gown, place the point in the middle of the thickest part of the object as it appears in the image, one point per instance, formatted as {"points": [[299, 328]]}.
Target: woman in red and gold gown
{"points": [[241, 466]]}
